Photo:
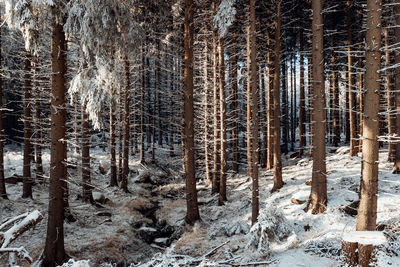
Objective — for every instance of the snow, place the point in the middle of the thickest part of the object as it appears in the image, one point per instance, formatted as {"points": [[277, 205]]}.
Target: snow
{"points": [[365, 237], [225, 16], [303, 239]]}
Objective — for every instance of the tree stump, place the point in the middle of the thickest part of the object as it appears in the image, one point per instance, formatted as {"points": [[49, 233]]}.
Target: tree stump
{"points": [[359, 247]]}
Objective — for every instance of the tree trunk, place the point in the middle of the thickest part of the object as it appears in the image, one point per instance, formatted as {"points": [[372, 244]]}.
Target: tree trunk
{"points": [[310, 105], [361, 85], [254, 111], [127, 125], [270, 108], [367, 210], [207, 114], [390, 100], [235, 106], [142, 159], [27, 186], [192, 213], [352, 97], [3, 192], [222, 103], [396, 167], [86, 183], [54, 252], [318, 197], [278, 182], [216, 159], [113, 162], [335, 92], [120, 128], [38, 127], [302, 125]]}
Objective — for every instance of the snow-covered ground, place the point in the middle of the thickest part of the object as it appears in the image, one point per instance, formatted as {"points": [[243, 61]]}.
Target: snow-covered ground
{"points": [[146, 226]]}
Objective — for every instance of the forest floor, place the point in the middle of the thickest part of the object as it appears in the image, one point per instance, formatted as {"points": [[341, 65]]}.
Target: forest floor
{"points": [[146, 226]]}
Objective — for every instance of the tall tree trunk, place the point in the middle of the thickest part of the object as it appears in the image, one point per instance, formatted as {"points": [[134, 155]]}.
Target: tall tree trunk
{"points": [[54, 252], [216, 159], [3, 192], [335, 92], [27, 186], [254, 111], [361, 80], [318, 197], [127, 125], [352, 97], [207, 113], [120, 128], [367, 210], [171, 108], [390, 99], [38, 126], [192, 212], [293, 104], [235, 106], [278, 182], [302, 125], [270, 108], [113, 162], [310, 105], [264, 124], [86, 183], [248, 106], [222, 103], [396, 167], [142, 149]]}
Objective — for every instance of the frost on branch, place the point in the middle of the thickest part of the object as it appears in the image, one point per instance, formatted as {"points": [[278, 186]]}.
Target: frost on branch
{"points": [[225, 16], [19, 15], [95, 87], [271, 225]]}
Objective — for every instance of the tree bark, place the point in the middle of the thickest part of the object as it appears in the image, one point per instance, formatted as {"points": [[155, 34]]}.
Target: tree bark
{"points": [[113, 162], [367, 210], [54, 252], [396, 167], [207, 116], [235, 106], [3, 191], [27, 184], [86, 183], [278, 182], [192, 213], [270, 99], [335, 92], [302, 125], [254, 111], [216, 158], [390, 100], [318, 197], [38, 126], [127, 123], [222, 103], [142, 149]]}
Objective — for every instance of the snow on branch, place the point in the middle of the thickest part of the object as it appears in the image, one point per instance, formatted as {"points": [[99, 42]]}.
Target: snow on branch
{"points": [[225, 16]]}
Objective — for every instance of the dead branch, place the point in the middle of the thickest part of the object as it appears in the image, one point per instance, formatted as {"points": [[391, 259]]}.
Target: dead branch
{"points": [[21, 251]]}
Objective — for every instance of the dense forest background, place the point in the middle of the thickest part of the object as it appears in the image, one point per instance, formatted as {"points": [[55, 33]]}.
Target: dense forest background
{"points": [[109, 94]]}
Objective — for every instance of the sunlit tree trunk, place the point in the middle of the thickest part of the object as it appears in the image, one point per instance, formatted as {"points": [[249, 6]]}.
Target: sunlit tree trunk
{"points": [[396, 167], [54, 252], [318, 197], [192, 212], [278, 182], [367, 210]]}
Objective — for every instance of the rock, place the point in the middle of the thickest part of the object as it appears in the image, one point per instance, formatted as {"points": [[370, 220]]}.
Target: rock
{"points": [[297, 201], [14, 179]]}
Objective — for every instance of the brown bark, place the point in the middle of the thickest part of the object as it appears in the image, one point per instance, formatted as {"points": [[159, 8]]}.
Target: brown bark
{"points": [[235, 106], [248, 106], [113, 162], [396, 167], [120, 128], [38, 127], [361, 85], [302, 125], [142, 158], [125, 169], [352, 96], [27, 185], [318, 197], [54, 252], [270, 99], [222, 103], [192, 212], [311, 106], [254, 110], [278, 182], [390, 100], [3, 191], [86, 183], [367, 210], [335, 92], [207, 114], [171, 109], [264, 124], [216, 156]]}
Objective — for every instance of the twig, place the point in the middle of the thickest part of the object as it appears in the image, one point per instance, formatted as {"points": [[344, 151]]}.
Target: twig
{"points": [[264, 263], [214, 249]]}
